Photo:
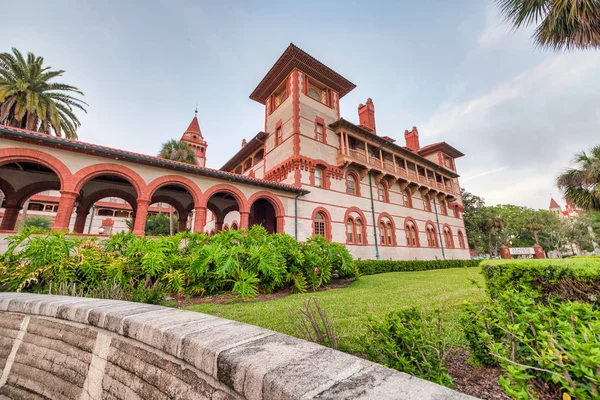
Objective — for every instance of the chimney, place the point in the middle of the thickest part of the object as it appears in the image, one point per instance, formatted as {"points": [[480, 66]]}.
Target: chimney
{"points": [[243, 142], [412, 139], [366, 116]]}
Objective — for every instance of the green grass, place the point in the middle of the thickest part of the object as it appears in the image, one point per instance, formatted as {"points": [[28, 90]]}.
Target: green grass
{"points": [[374, 295]]}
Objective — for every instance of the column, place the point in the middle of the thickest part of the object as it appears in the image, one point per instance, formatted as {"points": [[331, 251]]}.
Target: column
{"points": [[182, 222], [505, 253], [80, 221], [11, 215], [280, 224], [65, 210], [244, 219], [199, 219], [218, 226], [139, 225]]}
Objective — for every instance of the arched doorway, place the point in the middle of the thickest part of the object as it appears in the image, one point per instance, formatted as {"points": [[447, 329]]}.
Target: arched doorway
{"points": [[225, 202], [263, 213]]}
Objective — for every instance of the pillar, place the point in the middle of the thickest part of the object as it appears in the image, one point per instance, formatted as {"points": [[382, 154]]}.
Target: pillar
{"points": [[182, 222], [139, 224], [80, 221], [199, 218], [218, 226], [505, 252], [65, 210], [244, 219], [280, 224], [11, 215], [539, 252]]}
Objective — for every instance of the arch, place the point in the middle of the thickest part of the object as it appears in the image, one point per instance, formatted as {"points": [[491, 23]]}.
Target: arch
{"points": [[386, 218], [187, 183], [356, 177], [9, 192], [170, 201], [411, 230], [461, 240], [407, 198], [35, 156], [277, 225], [84, 175], [448, 238], [383, 191], [363, 225], [427, 202], [327, 223], [234, 225], [27, 191], [231, 190], [432, 235], [273, 199], [88, 201]]}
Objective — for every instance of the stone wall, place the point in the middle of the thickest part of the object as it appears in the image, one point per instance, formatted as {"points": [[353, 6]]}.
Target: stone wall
{"points": [[57, 347]]}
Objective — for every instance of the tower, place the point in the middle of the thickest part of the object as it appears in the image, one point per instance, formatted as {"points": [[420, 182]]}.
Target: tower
{"points": [[554, 207], [193, 138]]}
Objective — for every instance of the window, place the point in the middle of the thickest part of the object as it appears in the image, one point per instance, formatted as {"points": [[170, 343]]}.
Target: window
{"points": [[247, 164], [280, 97], [36, 207], [449, 242], [358, 225], [350, 230], [319, 129], [461, 240], [316, 91], [234, 226], [443, 208], [319, 224], [278, 136], [386, 233], [412, 235], [407, 198], [319, 177], [105, 212], [431, 236], [238, 170], [381, 192], [259, 156], [351, 184], [426, 203], [122, 214], [456, 211], [382, 234]]}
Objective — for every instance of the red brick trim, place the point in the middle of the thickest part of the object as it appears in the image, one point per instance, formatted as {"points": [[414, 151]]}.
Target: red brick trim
{"points": [[91, 198], [9, 192], [296, 110], [385, 216], [357, 182], [186, 183], [320, 121], [13, 154], [462, 245], [84, 175], [277, 206], [436, 235], [328, 233], [232, 190], [347, 215], [33, 188], [410, 219], [451, 237]]}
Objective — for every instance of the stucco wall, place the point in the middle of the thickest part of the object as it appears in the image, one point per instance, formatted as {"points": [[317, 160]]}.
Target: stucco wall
{"points": [[59, 347]]}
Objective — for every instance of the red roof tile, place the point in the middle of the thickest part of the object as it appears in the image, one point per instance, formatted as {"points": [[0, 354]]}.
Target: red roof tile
{"points": [[194, 127], [553, 203]]}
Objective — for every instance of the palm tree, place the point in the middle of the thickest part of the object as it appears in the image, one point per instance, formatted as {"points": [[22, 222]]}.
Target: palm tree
{"points": [[534, 224], [561, 24], [492, 224], [581, 185], [177, 151], [29, 99]]}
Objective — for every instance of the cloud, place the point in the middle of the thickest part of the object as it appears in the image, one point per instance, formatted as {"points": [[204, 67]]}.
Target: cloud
{"points": [[495, 28]]}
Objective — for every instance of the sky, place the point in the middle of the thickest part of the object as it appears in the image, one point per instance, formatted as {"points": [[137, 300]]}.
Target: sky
{"points": [[454, 69]]}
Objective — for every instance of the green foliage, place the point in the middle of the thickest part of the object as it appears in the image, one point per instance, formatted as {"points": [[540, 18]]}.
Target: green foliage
{"points": [[177, 151], [38, 222], [538, 344], [581, 185], [575, 279], [411, 342], [371, 267], [243, 262], [30, 99]]}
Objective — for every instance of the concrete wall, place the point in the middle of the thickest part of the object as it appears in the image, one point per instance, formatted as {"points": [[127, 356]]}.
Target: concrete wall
{"points": [[57, 347]]}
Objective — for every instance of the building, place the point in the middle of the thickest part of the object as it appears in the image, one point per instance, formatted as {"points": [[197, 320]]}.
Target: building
{"points": [[308, 172], [570, 212]]}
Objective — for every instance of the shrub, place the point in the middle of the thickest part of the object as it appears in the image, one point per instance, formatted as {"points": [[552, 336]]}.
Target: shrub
{"points": [[540, 346], [38, 222], [311, 322], [574, 279], [411, 342], [372, 267]]}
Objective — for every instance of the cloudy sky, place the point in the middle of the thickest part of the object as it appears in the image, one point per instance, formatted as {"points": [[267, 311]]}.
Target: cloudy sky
{"points": [[452, 68]]}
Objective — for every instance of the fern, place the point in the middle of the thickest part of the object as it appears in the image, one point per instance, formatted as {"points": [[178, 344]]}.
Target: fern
{"points": [[246, 284]]}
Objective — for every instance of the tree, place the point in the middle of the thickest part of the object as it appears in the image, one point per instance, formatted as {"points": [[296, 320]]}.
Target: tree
{"points": [[492, 225], [29, 99], [39, 222], [156, 225], [177, 151], [581, 185], [472, 214], [534, 225], [561, 24]]}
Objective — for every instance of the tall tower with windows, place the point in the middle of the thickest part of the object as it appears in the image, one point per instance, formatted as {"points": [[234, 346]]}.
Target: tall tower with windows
{"points": [[193, 138]]}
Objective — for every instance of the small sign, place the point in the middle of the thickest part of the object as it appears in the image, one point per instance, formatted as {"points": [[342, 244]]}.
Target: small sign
{"points": [[517, 251]]}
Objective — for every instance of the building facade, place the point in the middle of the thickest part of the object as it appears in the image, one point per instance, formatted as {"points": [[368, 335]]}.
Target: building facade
{"points": [[309, 172]]}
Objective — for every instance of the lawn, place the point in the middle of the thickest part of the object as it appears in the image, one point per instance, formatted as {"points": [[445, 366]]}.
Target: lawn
{"points": [[373, 295]]}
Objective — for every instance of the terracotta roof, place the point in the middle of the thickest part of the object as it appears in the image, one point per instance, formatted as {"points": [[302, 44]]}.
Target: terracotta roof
{"points": [[440, 146], [553, 203], [342, 123], [294, 57], [194, 127], [42, 139], [254, 144]]}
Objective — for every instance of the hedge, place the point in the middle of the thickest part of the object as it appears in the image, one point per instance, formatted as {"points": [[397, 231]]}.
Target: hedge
{"points": [[372, 267], [572, 279]]}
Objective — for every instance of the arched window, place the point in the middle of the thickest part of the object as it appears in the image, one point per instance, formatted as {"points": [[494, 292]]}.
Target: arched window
{"points": [[456, 211], [319, 177], [386, 232], [351, 184], [350, 230], [461, 240], [427, 203], [407, 198], [443, 208], [448, 241], [382, 233], [320, 224], [234, 226], [358, 226], [432, 239], [314, 93], [381, 195], [412, 234]]}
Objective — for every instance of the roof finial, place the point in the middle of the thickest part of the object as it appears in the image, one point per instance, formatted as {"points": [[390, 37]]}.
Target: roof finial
{"points": [[196, 110]]}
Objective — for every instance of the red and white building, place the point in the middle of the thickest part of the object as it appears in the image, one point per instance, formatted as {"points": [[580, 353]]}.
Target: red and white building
{"points": [[308, 172]]}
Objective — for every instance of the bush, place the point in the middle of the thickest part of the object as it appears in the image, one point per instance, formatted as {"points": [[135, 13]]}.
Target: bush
{"points": [[372, 267], [573, 279], [38, 222], [242, 262], [410, 342], [541, 347]]}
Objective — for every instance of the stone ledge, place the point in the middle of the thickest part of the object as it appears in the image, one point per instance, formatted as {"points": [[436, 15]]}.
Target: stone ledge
{"points": [[232, 359]]}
